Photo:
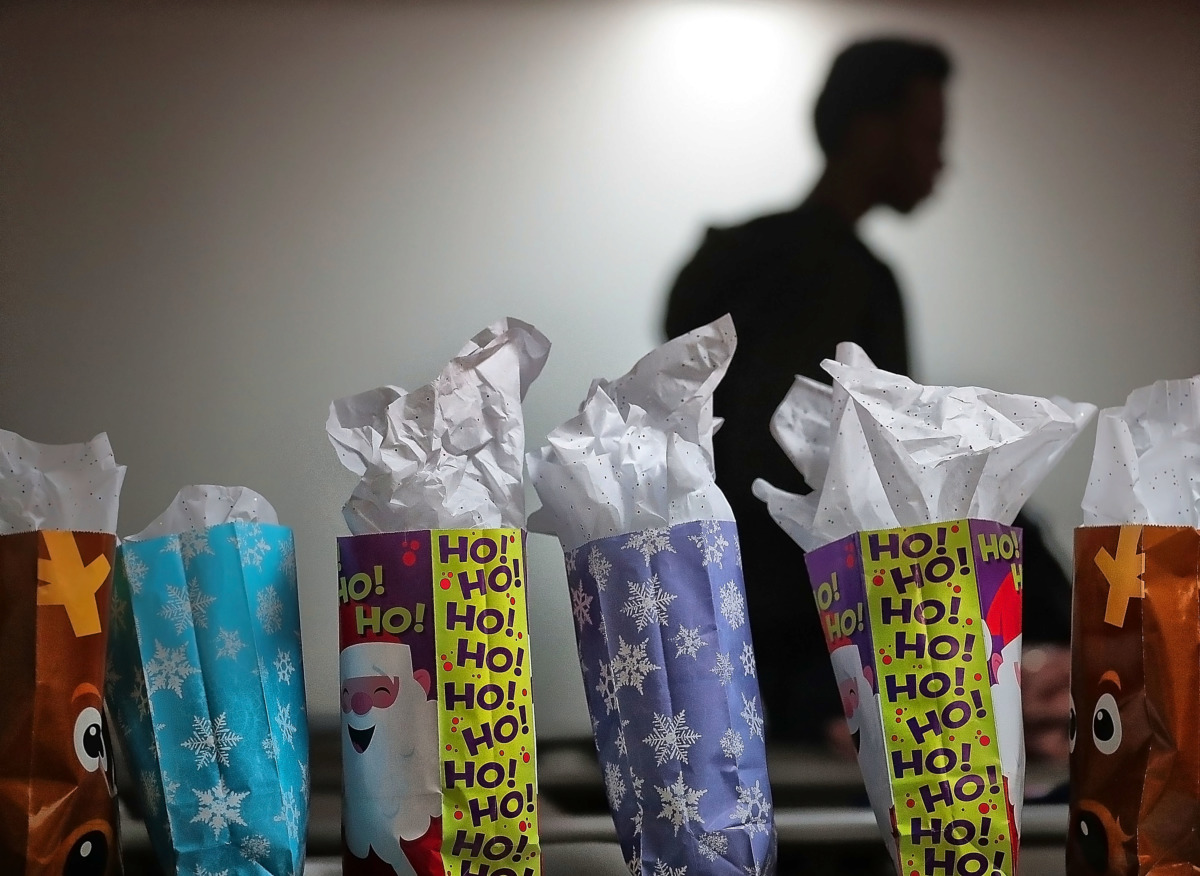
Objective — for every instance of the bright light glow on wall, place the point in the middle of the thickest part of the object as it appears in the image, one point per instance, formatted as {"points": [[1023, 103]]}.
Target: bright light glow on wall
{"points": [[720, 52]]}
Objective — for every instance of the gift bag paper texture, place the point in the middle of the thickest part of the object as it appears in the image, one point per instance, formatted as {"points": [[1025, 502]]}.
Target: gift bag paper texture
{"points": [[923, 625], [207, 685], [439, 768], [671, 683], [58, 810], [1135, 700]]}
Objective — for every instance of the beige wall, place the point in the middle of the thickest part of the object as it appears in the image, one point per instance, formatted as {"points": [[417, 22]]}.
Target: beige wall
{"points": [[215, 219]]}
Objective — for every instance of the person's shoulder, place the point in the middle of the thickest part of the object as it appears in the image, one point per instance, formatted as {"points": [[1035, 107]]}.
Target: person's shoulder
{"points": [[762, 229]]}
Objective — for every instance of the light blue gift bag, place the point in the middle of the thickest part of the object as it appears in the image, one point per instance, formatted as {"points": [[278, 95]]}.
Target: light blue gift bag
{"points": [[207, 687]]}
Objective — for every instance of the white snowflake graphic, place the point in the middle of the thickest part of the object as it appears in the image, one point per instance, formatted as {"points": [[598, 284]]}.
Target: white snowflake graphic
{"points": [[284, 667], [287, 560], [571, 558], [711, 542], [635, 867], [680, 803], [636, 818], [599, 567], [687, 641], [193, 543], [290, 814], [751, 716], [649, 542], [608, 687], [283, 721], [112, 680], [254, 551], [647, 603], [177, 609], [636, 783], [171, 546], [168, 669], [151, 792], [186, 608], [622, 745], [614, 785], [220, 807], [758, 868], [733, 604], [672, 738], [662, 869], [748, 665], [713, 845], [204, 871], [255, 848], [732, 744], [270, 610], [135, 572], [229, 643], [140, 696], [723, 669], [119, 614], [169, 788], [211, 741], [268, 745], [631, 665], [581, 603], [752, 809]]}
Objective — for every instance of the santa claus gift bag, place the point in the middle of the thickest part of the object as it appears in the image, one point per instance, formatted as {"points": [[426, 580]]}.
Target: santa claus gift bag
{"points": [[1135, 642], [58, 513], [439, 772], [918, 581], [659, 603], [207, 685]]}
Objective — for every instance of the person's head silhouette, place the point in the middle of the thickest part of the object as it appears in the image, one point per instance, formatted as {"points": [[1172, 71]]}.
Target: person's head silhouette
{"points": [[880, 121]]}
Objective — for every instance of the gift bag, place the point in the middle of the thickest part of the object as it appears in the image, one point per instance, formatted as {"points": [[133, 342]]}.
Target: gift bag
{"points": [[659, 605], [1135, 642], [923, 625], [438, 757], [207, 684], [436, 698], [58, 513], [918, 583]]}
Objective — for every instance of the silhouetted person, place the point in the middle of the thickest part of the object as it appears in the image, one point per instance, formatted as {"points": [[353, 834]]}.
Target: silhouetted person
{"points": [[797, 283]]}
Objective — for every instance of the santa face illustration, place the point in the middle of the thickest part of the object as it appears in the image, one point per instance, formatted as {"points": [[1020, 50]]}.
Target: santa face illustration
{"points": [[389, 755], [1002, 640], [865, 720]]}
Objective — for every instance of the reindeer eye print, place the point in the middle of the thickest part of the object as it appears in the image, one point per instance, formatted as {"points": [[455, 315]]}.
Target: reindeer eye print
{"points": [[1072, 727], [1106, 724], [89, 740]]}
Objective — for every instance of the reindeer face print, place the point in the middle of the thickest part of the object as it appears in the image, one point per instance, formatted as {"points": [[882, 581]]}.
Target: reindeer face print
{"points": [[1109, 732]]}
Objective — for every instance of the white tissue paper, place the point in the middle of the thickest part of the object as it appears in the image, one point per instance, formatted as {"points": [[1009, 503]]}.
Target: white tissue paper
{"points": [[69, 487], [200, 506], [1146, 466], [881, 451], [449, 454], [639, 453]]}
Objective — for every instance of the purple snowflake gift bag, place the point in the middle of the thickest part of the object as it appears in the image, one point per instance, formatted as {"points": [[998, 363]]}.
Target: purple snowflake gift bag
{"points": [[207, 687], [659, 607]]}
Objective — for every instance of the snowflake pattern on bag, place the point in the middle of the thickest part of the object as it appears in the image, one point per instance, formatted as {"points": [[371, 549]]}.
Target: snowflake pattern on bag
{"points": [[671, 682], [208, 695]]}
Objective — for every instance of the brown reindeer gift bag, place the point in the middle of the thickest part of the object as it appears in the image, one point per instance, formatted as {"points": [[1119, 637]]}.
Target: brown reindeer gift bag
{"points": [[1135, 642], [58, 513]]}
